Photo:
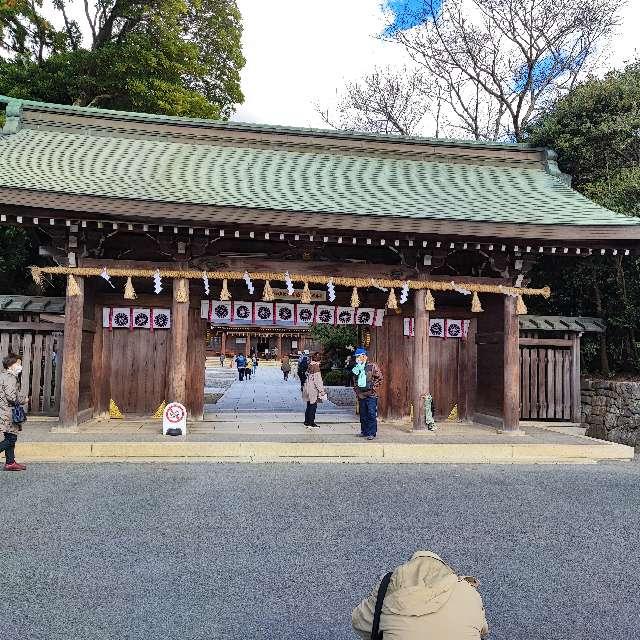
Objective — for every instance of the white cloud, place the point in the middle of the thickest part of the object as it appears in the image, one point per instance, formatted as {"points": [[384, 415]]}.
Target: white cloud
{"points": [[301, 53]]}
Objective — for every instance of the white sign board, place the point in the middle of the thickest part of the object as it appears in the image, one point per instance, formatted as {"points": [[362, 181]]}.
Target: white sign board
{"points": [[174, 417]]}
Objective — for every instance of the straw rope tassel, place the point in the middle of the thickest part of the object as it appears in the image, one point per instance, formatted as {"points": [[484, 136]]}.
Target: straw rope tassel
{"points": [[72, 287], [224, 293], [129, 291], [392, 302], [36, 274], [267, 294], [355, 299], [306, 294], [429, 302], [182, 294], [476, 307], [521, 307]]}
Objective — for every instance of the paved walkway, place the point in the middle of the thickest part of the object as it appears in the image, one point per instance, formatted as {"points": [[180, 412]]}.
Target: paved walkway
{"points": [[237, 552], [268, 392]]}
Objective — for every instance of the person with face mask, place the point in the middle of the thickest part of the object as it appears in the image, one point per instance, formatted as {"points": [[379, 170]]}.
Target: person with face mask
{"points": [[10, 397], [366, 380]]}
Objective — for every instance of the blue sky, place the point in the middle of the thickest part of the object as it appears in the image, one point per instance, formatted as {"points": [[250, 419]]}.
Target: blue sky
{"points": [[409, 13]]}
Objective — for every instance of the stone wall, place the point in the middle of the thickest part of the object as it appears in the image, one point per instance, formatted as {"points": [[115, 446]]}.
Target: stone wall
{"points": [[611, 410]]}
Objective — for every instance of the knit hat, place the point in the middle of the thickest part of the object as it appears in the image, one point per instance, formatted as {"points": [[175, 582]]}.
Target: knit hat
{"points": [[360, 351]]}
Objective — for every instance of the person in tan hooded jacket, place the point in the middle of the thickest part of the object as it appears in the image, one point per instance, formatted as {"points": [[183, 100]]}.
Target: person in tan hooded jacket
{"points": [[425, 600]]}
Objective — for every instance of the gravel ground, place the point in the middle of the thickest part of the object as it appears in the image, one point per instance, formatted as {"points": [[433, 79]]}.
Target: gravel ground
{"points": [[195, 551]]}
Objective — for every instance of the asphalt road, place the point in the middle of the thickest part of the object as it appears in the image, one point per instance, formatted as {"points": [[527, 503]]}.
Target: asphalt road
{"points": [[195, 551]]}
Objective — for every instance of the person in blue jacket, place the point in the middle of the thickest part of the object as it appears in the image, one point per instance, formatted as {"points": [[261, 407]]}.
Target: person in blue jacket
{"points": [[241, 363]]}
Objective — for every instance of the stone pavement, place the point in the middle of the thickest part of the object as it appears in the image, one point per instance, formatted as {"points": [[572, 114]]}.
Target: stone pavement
{"points": [[284, 552], [267, 392]]}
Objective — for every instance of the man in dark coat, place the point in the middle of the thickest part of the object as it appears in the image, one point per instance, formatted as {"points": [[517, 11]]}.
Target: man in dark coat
{"points": [[366, 381]]}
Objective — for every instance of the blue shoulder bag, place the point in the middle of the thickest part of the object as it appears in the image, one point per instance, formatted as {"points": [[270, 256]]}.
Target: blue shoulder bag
{"points": [[18, 414]]}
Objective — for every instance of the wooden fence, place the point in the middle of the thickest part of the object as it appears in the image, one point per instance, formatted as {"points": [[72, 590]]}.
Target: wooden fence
{"points": [[40, 345], [549, 377]]}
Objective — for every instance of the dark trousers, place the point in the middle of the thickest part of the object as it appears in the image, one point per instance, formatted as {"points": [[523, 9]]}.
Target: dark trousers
{"points": [[241, 373], [310, 413], [368, 416], [247, 373], [8, 446], [286, 375]]}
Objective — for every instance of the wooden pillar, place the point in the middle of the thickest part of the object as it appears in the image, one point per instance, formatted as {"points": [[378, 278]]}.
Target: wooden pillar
{"points": [[301, 343], [420, 369], [223, 343], [70, 384], [576, 391], [247, 344], [179, 341], [279, 345], [511, 360]]}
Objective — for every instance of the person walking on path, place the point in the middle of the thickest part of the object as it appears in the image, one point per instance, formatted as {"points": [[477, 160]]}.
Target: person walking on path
{"points": [[241, 363], [423, 598], [248, 370], [303, 366], [222, 359], [10, 397], [313, 391], [366, 380], [285, 367], [255, 361]]}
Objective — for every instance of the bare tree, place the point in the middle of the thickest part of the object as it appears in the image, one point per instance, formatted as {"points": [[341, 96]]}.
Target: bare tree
{"points": [[499, 62], [383, 101]]}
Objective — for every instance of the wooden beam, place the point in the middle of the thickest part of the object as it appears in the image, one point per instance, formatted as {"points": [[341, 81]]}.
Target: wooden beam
{"points": [[545, 342], [576, 391], [6, 325], [511, 359], [420, 375], [179, 339], [70, 385]]}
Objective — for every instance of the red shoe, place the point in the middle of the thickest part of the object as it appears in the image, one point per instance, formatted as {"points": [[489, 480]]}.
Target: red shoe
{"points": [[14, 466], [23, 467]]}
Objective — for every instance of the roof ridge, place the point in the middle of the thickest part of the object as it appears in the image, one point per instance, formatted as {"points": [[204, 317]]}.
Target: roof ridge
{"points": [[265, 128]]}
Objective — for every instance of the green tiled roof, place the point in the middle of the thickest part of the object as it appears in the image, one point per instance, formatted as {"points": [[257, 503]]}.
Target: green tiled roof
{"points": [[31, 304], [562, 323], [86, 162]]}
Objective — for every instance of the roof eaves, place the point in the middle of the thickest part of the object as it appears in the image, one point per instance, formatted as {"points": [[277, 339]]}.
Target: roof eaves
{"points": [[264, 128]]}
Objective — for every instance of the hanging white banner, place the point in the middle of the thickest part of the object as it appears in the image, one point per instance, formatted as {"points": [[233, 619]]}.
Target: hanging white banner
{"points": [[305, 313], [325, 314], [263, 312], [436, 328], [285, 313], [216, 311], [453, 328], [365, 316], [346, 315], [141, 319], [242, 312], [161, 318], [121, 318]]}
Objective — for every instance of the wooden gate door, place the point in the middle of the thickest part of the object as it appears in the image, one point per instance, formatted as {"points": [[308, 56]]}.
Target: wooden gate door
{"points": [[40, 345], [549, 378]]}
